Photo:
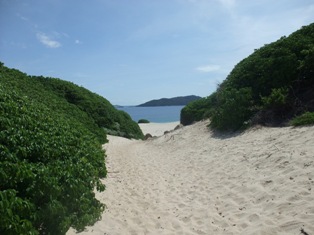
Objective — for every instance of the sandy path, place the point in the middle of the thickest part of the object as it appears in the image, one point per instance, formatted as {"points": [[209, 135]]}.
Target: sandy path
{"points": [[193, 182]]}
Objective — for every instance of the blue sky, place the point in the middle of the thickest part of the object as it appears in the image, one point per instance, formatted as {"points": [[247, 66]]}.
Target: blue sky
{"points": [[132, 51]]}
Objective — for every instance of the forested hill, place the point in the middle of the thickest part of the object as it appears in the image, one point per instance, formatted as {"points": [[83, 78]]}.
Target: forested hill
{"points": [[176, 101], [270, 87]]}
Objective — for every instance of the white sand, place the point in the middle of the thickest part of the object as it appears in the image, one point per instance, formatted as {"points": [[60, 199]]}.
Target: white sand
{"points": [[193, 182], [157, 129]]}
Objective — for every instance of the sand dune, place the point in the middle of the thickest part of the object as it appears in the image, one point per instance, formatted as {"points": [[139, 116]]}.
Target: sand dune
{"points": [[157, 129], [194, 182]]}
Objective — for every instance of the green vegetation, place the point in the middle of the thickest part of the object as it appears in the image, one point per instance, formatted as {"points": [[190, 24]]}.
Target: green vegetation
{"points": [[49, 167], [73, 102], [143, 121], [304, 119], [51, 161], [176, 101], [269, 87], [197, 110], [233, 109]]}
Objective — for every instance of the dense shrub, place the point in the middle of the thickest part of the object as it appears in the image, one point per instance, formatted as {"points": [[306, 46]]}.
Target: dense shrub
{"points": [[197, 110], [51, 158], [233, 109], [280, 76], [276, 99], [73, 102], [143, 121], [98, 108], [304, 119], [49, 167]]}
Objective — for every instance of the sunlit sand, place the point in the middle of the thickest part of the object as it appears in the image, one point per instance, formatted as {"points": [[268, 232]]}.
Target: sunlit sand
{"points": [[191, 181]]}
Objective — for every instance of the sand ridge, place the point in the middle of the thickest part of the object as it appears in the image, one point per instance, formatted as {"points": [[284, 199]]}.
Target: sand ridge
{"points": [[192, 181], [157, 129]]}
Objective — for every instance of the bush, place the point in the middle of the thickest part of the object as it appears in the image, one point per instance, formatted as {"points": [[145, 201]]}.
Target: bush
{"points": [[304, 119], [233, 109], [280, 79], [143, 121], [276, 100], [49, 168], [71, 101], [51, 158], [103, 114], [197, 110]]}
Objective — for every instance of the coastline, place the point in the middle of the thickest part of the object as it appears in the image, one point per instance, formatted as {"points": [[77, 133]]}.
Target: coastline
{"points": [[158, 114]]}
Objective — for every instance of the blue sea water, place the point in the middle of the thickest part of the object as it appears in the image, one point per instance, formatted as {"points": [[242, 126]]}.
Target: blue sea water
{"points": [[159, 114]]}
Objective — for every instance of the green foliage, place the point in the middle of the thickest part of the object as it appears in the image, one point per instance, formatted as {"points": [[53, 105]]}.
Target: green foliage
{"points": [[97, 108], [51, 158], [280, 76], [143, 121], [197, 110], [73, 102], [49, 168], [304, 119], [13, 211], [233, 109], [276, 99]]}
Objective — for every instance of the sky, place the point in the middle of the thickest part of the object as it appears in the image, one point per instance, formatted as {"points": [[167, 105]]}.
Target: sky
{"points": [[133, 51]]}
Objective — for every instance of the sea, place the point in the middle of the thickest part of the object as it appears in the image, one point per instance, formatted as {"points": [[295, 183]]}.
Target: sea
{"points": [[158, 114]]}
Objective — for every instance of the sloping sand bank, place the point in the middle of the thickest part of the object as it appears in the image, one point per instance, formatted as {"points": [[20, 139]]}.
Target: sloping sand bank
{"points": [[157, 129], [194, 182]]}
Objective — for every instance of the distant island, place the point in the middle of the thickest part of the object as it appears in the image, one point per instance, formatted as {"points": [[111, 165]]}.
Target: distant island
{"points": [[176, 101]]}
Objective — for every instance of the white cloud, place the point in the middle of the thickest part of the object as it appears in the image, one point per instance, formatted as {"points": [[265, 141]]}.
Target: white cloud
{"points": [[47, 41], [77, 41], [208, 68]]}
